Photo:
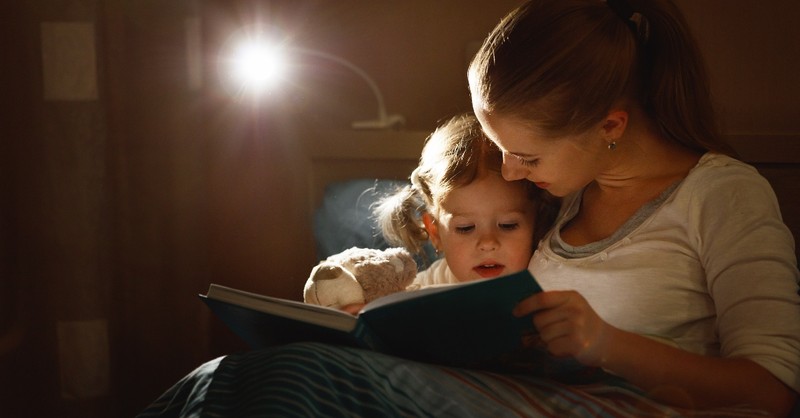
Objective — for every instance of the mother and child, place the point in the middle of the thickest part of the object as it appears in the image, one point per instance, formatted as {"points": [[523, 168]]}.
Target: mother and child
{"points": [[667, 264]]}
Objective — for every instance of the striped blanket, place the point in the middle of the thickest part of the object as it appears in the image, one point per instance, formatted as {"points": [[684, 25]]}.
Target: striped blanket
{"points": [[316, 380]]}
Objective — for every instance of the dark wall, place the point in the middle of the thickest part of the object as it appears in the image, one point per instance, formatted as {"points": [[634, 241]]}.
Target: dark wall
{"points": [[103, 209]]}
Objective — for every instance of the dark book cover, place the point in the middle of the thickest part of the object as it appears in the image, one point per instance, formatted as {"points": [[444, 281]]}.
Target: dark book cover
{"points": [[466, 324]]}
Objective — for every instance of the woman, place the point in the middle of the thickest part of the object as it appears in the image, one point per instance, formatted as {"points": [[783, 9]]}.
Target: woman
{"points": [[669, 264]]}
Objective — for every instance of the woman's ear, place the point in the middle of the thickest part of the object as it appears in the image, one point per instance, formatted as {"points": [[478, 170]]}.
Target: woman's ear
{"points": [[433, 230], [614, 125]]}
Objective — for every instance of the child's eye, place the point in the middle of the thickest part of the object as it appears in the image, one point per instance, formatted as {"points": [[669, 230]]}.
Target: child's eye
{"points": [[509, 226], [465, 229]]}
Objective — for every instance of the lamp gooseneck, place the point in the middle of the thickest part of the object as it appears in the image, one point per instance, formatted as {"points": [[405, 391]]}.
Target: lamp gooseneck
{"points": [[384, 120]]}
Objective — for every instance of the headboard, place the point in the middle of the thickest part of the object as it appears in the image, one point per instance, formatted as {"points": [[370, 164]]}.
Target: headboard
{"points": [[347, 155], [332, 156], [343, 155]]}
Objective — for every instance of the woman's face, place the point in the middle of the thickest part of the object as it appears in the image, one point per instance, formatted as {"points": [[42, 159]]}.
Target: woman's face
{"points": [[561, 165]]}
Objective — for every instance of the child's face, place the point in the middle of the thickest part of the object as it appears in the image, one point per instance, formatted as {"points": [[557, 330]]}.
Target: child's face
{"points": [[485, 228]]}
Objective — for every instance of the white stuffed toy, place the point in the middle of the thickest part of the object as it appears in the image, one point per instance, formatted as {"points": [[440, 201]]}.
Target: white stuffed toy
{"points": [[359, 275]]}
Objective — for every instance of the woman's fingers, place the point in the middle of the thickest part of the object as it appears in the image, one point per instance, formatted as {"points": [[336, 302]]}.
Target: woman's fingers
{"points": [[540, 301], [566, 323]]}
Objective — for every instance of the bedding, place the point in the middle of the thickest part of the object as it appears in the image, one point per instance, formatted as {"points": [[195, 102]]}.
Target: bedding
{"points": [[317, 380]]}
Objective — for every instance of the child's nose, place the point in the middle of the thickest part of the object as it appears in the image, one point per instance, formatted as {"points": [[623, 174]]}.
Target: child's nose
{"points": [[488, 242]]}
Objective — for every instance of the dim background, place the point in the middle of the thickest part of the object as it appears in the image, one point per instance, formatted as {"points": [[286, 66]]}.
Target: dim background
{"points": [[134, 179]]}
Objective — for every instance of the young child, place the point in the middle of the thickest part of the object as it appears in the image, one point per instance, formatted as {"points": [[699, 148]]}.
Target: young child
{"points": [[484, 225]]}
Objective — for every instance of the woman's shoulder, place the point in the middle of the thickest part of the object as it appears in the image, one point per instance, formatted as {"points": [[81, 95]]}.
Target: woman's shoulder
{"points": [[719, 177], [713, 161], [716, 169]]}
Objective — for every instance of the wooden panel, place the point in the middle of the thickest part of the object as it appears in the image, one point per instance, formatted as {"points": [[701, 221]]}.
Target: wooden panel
{"points": [[785, 180], [767, 149]]}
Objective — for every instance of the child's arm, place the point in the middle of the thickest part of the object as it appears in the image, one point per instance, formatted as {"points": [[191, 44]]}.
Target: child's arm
{"points": [[570, 327]]}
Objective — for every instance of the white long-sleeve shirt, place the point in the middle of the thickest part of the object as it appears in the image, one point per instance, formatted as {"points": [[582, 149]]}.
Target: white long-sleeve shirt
{"points": [[438, 273], [711, 270]]}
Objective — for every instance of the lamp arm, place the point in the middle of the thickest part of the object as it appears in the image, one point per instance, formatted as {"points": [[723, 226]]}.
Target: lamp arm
{"points": [[382, 115]]}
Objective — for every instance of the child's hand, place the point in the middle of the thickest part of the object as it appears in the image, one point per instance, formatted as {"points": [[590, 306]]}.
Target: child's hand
{"points": [[567, 325], [353, 309]]}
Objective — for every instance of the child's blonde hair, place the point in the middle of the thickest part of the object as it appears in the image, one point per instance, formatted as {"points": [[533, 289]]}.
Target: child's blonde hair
{"points": [[455, 155]]}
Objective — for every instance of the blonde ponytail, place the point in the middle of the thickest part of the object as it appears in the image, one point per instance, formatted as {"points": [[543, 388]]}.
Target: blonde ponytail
{"points": [[399, 217]]}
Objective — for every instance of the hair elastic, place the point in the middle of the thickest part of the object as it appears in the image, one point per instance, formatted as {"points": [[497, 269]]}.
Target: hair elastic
{"points": [[636, 21]]}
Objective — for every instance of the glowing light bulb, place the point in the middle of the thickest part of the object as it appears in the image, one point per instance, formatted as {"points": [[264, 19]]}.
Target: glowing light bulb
{"points": [[258, 66]]}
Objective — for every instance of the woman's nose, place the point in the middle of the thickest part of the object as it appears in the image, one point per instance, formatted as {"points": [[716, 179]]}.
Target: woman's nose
{"points": [[512, 169]]}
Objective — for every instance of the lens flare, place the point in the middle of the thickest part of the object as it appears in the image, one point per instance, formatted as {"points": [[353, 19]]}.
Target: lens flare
{"points": [[257, 65]]}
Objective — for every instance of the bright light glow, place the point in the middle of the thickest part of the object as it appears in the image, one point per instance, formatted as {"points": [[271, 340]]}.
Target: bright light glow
{"points": [[258, 66], [254, 64]]}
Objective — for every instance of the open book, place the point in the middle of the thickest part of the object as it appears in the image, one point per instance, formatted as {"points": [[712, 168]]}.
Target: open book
{"points": [[462, 324]]}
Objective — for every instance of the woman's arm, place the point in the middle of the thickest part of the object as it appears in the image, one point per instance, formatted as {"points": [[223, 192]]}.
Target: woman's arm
{"points": [[570, 327], [686, 379]]}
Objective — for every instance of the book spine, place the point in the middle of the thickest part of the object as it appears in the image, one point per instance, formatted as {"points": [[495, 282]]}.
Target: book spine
{"points": [[366, 338]]}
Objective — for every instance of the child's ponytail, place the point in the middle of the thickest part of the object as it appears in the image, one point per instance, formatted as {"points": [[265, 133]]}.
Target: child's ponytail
{"points": [[399, 218]]}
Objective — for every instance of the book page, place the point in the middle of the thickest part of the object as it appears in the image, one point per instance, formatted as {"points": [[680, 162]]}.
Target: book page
{"points": [[314, 314]]}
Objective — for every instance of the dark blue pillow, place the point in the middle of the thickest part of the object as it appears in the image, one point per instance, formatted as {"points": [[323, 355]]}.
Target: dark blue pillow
{"points": [[345, 219]]}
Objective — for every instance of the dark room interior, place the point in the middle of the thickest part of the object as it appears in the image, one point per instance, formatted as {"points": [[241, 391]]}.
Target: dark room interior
{"points": [[132, 176]]}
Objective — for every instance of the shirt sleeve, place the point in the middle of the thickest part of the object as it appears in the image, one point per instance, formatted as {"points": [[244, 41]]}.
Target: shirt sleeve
{"points": [[749, 257]]}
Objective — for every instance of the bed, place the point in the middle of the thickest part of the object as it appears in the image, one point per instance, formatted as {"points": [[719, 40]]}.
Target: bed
{"points": [[343, 172]]}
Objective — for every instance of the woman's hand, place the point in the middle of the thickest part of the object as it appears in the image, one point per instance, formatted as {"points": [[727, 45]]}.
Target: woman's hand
{"points": [[568, 325]]}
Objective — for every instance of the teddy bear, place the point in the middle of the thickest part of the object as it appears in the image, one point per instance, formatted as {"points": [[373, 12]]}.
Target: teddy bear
{"points": [[358, 276]]}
